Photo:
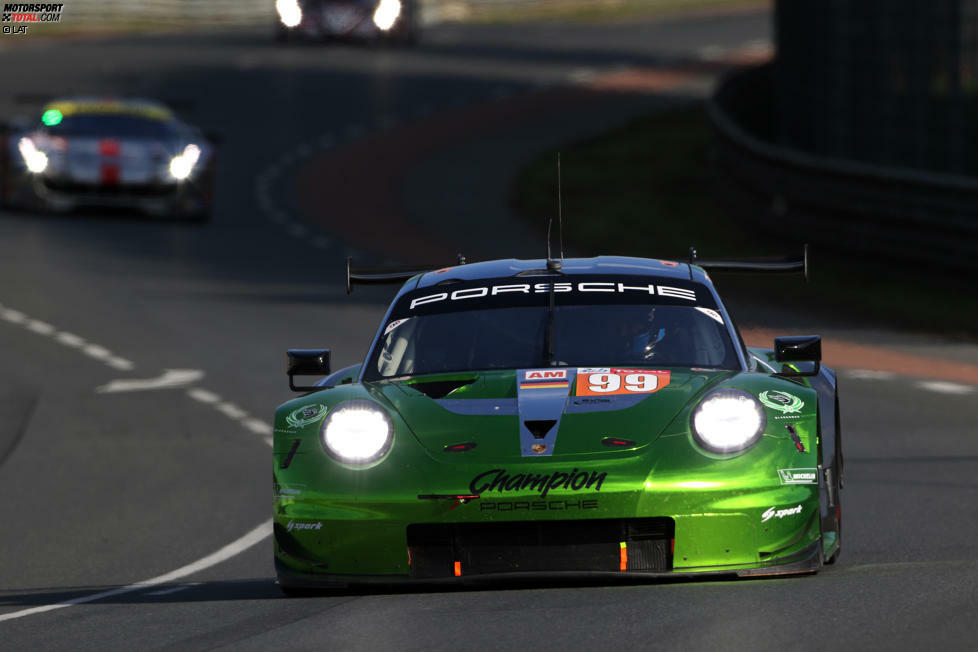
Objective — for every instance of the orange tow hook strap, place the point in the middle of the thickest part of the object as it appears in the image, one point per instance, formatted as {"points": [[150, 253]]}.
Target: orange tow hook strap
{"points": [[458, 569], [624, 557]]}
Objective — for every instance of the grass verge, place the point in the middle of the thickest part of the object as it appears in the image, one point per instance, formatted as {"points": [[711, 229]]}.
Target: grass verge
{"points": [[646, 189]]}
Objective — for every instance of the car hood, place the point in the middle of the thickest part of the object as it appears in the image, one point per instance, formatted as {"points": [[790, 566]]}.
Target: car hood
{"points": [[500, 415]]}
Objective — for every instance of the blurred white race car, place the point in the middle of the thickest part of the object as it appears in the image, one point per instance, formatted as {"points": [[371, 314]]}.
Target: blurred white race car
{"points": [[103, 153]]}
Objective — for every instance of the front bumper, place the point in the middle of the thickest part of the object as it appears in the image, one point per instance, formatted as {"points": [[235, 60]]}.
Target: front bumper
{"points": [[319, 542], [157, 199]]}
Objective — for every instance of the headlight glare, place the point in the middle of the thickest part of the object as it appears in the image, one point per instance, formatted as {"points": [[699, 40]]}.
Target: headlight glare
{"points": [[386, 14], [35, 160], [183, 164], [728, 420], [289, 12], [357, 433]]}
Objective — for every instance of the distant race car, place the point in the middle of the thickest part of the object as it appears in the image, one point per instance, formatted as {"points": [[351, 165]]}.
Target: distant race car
{"points": [[367, 20], [97, 152], [592, 415]]}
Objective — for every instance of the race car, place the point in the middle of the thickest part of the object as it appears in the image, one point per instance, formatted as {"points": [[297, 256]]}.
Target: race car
{"points": [[365, 20], [529, 418], [108, 153]]}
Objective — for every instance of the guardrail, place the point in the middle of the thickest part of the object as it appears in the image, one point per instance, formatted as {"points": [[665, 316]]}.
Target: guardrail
{"points": [[913, 215]]}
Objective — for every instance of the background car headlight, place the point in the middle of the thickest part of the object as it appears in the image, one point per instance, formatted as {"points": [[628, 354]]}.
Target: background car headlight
{"points": [[35, 160], [357, 432], [183, 164], [728, 420], [289, 12], [386, 14]]}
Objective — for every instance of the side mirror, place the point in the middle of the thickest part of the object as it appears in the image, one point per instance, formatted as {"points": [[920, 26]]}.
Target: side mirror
{"points": [[307, 362], [800, 348]]}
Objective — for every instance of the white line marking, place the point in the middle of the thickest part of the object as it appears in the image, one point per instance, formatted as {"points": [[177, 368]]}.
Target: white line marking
{"points": [[170, 378], [257, 426], [181, 587], [230, 550], [870, 374], [40, 327], [203, 395], [13, 316], [97, 352], [70, 339], [120, 363], [231, 410], [945, 387]]}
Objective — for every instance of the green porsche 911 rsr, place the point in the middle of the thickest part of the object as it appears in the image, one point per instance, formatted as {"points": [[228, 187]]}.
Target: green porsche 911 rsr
{"points": [[585, 416]]}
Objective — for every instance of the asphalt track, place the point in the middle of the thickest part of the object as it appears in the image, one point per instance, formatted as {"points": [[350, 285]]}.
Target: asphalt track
{"points": [[104, 489]]}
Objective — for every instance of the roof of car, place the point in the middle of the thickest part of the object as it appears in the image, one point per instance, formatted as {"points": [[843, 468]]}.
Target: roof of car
{"points": [[612, 265], [150, 109]]}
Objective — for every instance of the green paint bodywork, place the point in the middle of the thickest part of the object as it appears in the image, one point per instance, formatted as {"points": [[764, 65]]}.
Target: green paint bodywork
{"points": [[332, 520]]}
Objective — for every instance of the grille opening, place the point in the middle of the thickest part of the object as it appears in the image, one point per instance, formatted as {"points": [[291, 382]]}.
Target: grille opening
{"points": [[540, 546]]}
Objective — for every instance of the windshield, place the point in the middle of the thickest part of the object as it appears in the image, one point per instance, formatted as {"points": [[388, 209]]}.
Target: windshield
{"points": [[641, 332], [114, 125]]}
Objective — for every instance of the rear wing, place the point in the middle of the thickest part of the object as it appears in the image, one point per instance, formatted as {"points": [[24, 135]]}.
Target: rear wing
{"points": [[388, 274], [779, 265], [398, 274]]}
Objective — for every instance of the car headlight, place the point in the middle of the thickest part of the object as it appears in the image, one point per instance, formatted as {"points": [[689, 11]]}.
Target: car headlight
{"points": [[357, 433], [728, 420], [35, 160], [183, 164], [289, 12], [386, 14]]}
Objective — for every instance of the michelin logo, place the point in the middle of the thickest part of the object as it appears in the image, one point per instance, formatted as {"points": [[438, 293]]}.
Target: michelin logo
{"points": [[798, 476]]}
